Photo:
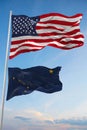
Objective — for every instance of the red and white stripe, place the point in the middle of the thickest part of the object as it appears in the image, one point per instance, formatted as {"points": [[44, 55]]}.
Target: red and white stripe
{"points": [[54, 30]]}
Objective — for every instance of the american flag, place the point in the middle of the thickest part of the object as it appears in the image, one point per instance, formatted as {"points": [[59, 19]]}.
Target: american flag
{"points": [[52, 29]]}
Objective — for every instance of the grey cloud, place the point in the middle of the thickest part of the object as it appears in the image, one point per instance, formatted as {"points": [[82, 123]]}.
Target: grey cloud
{"points": [[79, 122], [77, 128], [72, 121], [48, 122], [23, 118]]}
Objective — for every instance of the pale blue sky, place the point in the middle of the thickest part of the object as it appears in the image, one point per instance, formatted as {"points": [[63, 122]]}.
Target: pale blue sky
{"points": [[64, 110]]}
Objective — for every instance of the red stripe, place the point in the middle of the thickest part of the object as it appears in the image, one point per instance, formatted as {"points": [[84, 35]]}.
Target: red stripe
{"points": [[57, 40], [38, 27], [53, 45], [57, 33], [72, 42], [48, 27], [78, 36], [45, 40], [19, 52], [28, 45], [58, 22], [61, 15], [65, 48]]}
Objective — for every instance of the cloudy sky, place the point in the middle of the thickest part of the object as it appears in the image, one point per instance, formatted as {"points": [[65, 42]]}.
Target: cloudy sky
{"points": [[64, 110]]}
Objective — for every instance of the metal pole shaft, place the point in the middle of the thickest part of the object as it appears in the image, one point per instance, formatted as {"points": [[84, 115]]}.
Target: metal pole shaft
{"points": [[5, 72]]}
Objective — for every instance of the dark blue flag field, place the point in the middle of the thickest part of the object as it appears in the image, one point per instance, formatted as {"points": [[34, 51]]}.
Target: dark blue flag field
{"points": [[40, 78]]}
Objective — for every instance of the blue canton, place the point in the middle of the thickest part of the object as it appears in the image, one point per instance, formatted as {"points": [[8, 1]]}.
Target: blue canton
{"points": [[23, 25]]}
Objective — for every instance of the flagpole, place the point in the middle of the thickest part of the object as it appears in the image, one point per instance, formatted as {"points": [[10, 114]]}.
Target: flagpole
{"points": [[5, 73]]}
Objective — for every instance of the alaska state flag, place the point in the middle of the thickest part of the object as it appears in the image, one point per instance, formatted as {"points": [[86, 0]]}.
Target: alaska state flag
{"points": [[40, 78]]}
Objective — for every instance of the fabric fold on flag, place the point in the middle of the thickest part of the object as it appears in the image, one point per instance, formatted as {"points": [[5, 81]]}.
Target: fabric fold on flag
{"points": [[39, 78], [52, 29]]}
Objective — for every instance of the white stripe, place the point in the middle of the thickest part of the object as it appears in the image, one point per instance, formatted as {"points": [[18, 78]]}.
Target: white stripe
{"points": [[61, 18], [45, 43], [23, 48], [38, 48], [71, 39], [69, 29], [35, 37], [50, 24], [36, 44], [41, 37], [70, 45], [55, 25], [41, 31]]}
